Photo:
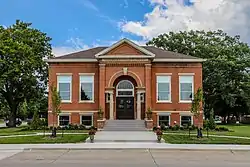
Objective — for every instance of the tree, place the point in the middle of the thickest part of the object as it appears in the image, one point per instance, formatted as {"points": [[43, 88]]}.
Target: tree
{"points": [[196, 108], [56, 102], [36, 122], [23, 71], [226, 75]]}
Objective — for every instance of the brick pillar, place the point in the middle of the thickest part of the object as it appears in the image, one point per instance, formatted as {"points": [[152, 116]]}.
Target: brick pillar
{"points": [[102, 87], [148, 96]]}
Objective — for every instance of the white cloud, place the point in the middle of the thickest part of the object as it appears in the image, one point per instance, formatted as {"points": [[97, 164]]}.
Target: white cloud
{"points": [[232, 16], [89, 4], [124, 4], [73, 45]]}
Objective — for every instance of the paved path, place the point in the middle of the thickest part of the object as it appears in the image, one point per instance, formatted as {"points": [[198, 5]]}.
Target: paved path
{"points": [[124, 136], [123, 145], [127, 158]]}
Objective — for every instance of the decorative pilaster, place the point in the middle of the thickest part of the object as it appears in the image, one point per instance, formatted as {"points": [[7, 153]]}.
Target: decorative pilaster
{"points": [[111, 103], [102, 87], [148, 96], [138, 117]]}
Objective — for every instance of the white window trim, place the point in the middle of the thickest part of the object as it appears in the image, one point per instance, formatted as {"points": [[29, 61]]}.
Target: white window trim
{"points": [[65, 74], [87, 114], [192, 118], [170, 89], [93, 87], [186, 101], [162, 114], [118, 90], [63, 114]]}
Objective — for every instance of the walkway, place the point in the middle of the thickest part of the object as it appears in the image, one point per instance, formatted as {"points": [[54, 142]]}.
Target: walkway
{"points": [[124, 136]]}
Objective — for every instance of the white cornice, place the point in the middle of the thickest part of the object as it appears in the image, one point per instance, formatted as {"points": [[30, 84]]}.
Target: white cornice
{"points": [[130, 43], [124, 56]]}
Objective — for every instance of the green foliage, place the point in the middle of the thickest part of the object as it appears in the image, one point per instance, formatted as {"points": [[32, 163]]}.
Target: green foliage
{"points": [[222, 129], [23, 70], [36, 122], [226, 75], [56, 102], [196, 103]]}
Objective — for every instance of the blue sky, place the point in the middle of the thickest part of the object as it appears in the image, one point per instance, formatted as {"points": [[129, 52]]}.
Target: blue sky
{"points": [[80, 24], [93, 22]]}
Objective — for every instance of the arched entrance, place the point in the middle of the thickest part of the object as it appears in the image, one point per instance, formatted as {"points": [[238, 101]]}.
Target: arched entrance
{"points": [[125, 100]]}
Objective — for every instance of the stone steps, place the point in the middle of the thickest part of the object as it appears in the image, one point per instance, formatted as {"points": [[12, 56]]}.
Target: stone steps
{"points": [[124, 125]]}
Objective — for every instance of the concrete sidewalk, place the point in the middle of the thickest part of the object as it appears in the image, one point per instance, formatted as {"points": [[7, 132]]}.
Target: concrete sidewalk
{"points": [[119, 146]]}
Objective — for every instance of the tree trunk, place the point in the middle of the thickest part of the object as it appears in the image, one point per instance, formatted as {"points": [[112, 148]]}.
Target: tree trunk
{"points": [[12, 118]]}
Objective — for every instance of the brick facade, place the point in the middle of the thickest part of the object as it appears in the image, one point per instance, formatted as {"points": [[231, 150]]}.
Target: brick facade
{"points": [[141, 71]]}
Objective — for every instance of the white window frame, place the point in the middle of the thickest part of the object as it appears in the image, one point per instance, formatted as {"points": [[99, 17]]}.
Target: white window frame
{"points": [[87, 114], [68, 75], [170, 90], [120, 90], [63, 114], [187, 75], [163, 114], [93, 87], [183, 115]]}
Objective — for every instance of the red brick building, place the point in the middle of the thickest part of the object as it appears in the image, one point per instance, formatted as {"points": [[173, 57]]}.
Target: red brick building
{"points": [[124, 80]]}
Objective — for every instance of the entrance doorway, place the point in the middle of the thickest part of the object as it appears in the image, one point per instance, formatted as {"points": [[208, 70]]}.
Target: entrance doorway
{"points": [[125, 100]]}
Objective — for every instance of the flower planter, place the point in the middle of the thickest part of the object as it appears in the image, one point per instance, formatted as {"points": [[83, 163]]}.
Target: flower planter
{"points": [[92, 137], [159, 137]]}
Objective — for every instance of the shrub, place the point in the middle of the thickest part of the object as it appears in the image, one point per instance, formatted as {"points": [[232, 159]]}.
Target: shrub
{"points": [[222, 129], [192, 127], [163, 127], [82, 127], [183, 128], [36, 122], [59, 128], [176, 127], [75, 127], [154, 128]]}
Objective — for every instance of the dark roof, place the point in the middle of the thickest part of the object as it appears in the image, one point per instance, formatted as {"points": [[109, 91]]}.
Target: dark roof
{"points": [[159, 54]]}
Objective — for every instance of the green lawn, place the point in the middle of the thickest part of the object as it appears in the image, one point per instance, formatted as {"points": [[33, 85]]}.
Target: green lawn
{"points": [[22, 131], [41, 139], [235, 130], [185, 139], [1, 121]]}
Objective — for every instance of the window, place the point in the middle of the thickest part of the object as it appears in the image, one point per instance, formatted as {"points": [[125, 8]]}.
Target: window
{"points": [[64, 87], [186, 88], [163, 88], [164, 119], [86, 88], [125, 88], [63, 120], [86, 120], [185, 120]]}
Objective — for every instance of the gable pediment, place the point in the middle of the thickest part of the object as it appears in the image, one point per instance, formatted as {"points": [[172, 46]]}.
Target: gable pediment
{"points": [[124, 48]]}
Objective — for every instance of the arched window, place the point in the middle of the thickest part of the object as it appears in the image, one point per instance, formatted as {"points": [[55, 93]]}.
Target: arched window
{"points": [[125, 88]]}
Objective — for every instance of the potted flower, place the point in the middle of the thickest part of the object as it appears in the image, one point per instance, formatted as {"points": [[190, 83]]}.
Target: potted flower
{"points": [[92, 132], [149, 113], [159, 134], [100, 113]]}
